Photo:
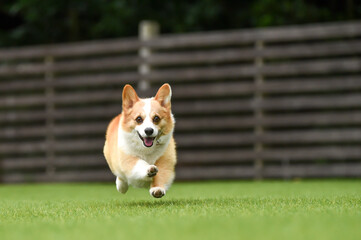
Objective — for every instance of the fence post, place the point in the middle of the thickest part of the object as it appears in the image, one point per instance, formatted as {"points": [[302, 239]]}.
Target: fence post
{"points": [[258, 112], [147, 31], [49, 95]]}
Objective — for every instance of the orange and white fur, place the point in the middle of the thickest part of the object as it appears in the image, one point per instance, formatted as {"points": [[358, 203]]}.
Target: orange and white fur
{"points": [[139, 146]]}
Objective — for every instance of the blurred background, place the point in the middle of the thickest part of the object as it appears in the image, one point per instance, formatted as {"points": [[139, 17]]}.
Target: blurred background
{"points": [[29, 22], [261, 89]]}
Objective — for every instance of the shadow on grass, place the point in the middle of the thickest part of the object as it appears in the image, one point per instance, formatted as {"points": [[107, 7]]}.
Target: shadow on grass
{"points": [[161, 203], [167, 203]]}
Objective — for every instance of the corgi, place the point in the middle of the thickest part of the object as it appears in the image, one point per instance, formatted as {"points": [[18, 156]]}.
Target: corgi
{"points": [[139, 145]]}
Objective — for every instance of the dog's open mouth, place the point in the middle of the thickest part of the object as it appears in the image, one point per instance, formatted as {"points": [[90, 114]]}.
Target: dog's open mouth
{"points": [[147, 141]]}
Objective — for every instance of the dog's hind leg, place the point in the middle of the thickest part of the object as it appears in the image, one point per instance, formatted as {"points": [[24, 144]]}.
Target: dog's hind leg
{"points": [[122, 186]]}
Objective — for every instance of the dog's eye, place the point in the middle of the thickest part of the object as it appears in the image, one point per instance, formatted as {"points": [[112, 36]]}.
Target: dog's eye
{"points": [[156, 119], [139, 119]]}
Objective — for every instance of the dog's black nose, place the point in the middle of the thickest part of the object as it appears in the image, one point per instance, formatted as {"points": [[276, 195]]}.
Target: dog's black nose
{"points": [[148, 131]]}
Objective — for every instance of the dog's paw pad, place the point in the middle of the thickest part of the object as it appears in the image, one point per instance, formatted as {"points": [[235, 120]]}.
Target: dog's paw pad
{"points": [[152, 171], [157, 192]]}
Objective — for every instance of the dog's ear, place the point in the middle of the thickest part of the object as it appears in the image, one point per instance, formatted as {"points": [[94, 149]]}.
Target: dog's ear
{"points": [[129, 96], [164, 95]]}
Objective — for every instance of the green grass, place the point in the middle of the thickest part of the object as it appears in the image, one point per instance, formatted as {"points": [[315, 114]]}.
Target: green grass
{"points": [[207, 210]]}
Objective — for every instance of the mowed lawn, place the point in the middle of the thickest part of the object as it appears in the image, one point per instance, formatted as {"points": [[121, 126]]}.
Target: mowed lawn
{"points": [[203, 210]]}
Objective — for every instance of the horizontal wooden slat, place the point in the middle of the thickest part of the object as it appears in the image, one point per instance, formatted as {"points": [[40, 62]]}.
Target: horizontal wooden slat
{"points": [[96, 64], [334, 101], [211, 90], [59, 161], [201, 57], [319, 49], [312, 153], [65, 98], [314, 170], [97, 80], [20, 132], [237, 139], [81, 161], [81, 128], [71, 49], [222, 156], [214, 172], [188, 74], [270, 69], [70, 66], [22, 69], [312, 85], [22, 85], [272, 86], [236, 172], [22, 116], [312, 119], [22, 147], [214, 123], [275, 120], [270, 34], [89, 97], [88, 112], [72, 129], [214, 156], [32, 100], [61, 145], [69, 176], [268, 52], [327, 66], [23, 163], [80, 145], [214, 107], [313, 136], [214, 139]]}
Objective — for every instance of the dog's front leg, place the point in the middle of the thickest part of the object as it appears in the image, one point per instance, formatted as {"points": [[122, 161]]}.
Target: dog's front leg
{"points": [[143, 171], [163, 180]]}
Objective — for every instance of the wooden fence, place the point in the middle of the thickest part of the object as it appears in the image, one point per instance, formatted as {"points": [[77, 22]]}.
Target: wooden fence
{"points": [[281, 102]]}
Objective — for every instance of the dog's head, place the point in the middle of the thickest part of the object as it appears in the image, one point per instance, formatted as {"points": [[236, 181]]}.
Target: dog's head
{"points": [[149, 118]]}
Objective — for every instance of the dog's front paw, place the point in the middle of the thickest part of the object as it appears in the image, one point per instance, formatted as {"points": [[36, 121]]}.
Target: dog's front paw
{"points": [[157, 192], [152, 171]]}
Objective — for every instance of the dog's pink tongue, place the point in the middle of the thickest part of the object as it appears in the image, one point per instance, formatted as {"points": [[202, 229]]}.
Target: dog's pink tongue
{"points": [[148, 142]]}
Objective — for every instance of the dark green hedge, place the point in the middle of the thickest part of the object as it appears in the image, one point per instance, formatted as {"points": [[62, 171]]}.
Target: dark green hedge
{"points": [[24, 22]]}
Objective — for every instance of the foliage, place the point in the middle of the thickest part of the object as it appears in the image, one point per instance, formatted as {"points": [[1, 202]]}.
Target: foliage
{"points": [[25, 22]]}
